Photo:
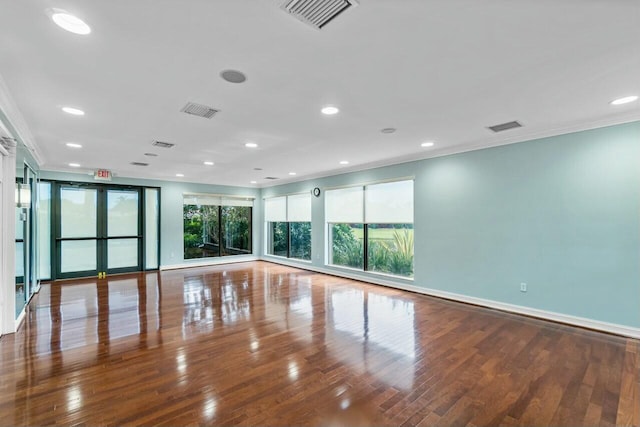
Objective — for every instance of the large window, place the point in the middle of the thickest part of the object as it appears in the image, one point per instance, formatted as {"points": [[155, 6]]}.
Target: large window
{"points": [[216, 226], [371, 227], [289, 226]]}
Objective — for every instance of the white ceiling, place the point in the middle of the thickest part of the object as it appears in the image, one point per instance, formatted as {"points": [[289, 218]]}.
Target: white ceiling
{"points": [[438, 70]]}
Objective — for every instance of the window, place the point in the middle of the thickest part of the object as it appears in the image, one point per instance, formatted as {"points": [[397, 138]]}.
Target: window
{"points": [[216, 226], [289, 226], [371, 227]]}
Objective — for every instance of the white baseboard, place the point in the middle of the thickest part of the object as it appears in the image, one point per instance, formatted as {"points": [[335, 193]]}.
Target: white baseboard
{"points": [[210, 262], [582, 322]]}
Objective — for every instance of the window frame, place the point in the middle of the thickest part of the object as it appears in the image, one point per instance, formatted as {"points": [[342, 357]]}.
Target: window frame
{"points": [[365, 229], [269, 227]]}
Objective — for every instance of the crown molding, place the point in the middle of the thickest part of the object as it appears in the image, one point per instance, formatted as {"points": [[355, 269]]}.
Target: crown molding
{"points": [[14, 123]]}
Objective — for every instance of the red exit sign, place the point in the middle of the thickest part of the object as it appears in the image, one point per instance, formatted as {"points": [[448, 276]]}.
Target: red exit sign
{"points": [[102, 175]]}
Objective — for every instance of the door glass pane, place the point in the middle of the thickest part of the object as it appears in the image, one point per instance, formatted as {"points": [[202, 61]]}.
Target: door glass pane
{"points": [[122, 213], [44, 229], [151, 228], [19, 261], [122, 253], [78, 213], [78, 255], [19, 224]]}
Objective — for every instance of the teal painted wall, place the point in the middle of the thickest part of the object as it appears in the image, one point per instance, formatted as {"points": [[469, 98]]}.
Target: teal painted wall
{"points": [[561, 214], [171, 245]]}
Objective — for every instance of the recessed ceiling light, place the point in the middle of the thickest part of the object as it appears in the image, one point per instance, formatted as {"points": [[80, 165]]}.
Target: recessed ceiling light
{"points": [[208, 163], [427, 144], [180, 175], [257, 169], [73, 145], [74, 165], [70, 22], [151, 154], [233, 76], [73, 111], [344, 162], [254, 182], [625, 100], [292, 173], [330, 110], [388, 130], [251, 145]]}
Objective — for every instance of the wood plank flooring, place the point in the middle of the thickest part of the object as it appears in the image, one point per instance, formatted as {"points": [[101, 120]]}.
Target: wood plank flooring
{"points": [[261, 344]]}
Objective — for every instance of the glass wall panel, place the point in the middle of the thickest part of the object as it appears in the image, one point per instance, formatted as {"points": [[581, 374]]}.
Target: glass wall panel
{"points": [[122, 253], [390, 249], [78, 212], [122, 213], [346, 247], [236, 229], [78, 255], [44, 230], [300, 235], [152, 223]]}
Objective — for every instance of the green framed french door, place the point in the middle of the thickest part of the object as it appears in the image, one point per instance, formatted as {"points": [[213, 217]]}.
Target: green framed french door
{"points": [[98, 229]]}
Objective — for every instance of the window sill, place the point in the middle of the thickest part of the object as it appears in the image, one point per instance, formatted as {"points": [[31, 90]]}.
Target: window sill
{"points": [[372, 273]]}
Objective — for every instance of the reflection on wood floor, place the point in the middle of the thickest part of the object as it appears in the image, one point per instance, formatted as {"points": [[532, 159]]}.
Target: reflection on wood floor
{"points": [[261, 344]]}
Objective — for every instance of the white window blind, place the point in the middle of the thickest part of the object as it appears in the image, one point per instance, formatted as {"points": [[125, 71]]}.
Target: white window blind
{"points": [[236, 201], [275, 209], [192, 199], [345, 205], [299, 208], [389, 203], [212, 200]]}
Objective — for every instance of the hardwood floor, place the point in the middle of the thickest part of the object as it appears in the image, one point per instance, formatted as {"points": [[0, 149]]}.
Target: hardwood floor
{"points": [[262, 344]]}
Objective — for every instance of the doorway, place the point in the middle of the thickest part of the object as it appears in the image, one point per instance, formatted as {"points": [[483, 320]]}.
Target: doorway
{"points": [[100, 229]]}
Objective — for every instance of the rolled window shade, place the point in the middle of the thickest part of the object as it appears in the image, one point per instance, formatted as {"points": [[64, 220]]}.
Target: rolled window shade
{"points": [[389, 203], [299, 208], [236, 201], [275, 209], [345, 205], [202, 200]]}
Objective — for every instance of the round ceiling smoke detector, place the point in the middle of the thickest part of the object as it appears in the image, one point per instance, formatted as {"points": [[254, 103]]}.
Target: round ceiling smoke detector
{"points": [[388, 130], [233, 76]]}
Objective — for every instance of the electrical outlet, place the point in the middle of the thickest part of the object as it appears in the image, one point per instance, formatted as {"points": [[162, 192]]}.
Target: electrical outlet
{"points": [[523, 287]]}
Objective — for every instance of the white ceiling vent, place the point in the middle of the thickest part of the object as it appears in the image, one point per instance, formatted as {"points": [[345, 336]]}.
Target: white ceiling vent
{"points": [[317, 13], [505, 126], [199, 110], [161, 144]]}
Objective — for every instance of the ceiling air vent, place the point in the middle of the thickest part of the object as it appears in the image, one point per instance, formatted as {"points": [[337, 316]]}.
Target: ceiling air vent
{"points": [[139, 164], [199, 110], [505, 126], [161, 144], [270, 177], [317, 13]]}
